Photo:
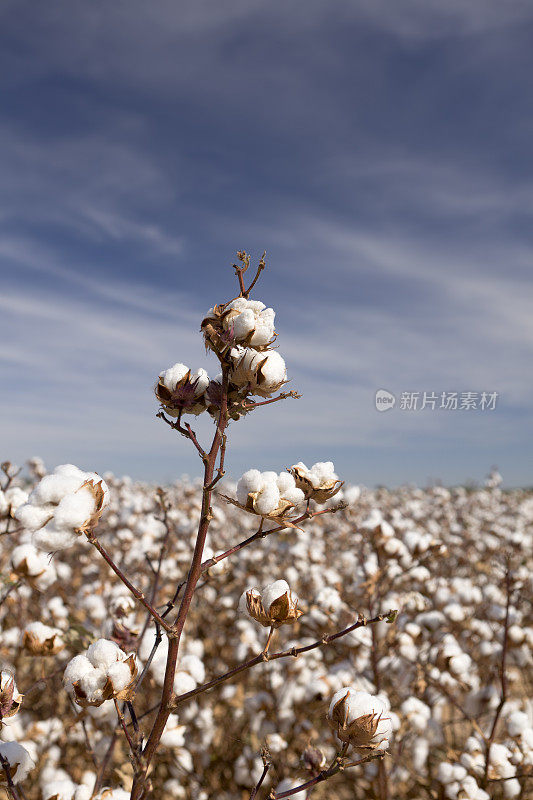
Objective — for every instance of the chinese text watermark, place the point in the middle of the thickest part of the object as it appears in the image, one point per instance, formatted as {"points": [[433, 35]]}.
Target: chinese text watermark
{"points": [[437, 401]]}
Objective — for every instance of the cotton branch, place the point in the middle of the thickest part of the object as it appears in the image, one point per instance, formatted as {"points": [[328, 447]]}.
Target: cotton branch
{"points": [[293, 652], [337, 766]]}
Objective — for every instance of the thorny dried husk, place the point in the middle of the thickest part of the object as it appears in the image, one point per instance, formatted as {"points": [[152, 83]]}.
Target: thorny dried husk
{"points": [[283, 611], [320, 494]]}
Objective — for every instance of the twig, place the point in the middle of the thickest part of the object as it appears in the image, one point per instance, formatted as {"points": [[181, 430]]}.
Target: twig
{"points": [[336, 766], [10, 785], [133, 589], [502, 671], [260, 534], [266, 767], [264, 656]]}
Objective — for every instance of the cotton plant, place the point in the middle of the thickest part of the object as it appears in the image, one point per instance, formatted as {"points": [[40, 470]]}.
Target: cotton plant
{"points": [[186, 694]]}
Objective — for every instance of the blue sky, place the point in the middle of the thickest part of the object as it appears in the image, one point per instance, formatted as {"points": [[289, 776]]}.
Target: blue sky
{"points": [[379, 150]]}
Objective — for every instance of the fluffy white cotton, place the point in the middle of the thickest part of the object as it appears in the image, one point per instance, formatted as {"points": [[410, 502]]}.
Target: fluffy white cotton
{"points": [[273, 371], [517, 722], [41, 632], [173, 375], [267, 499], [251, 481], [77, 668], [50, 539], [34, 517], [59, 500], [35, 562], [119, 674], [104, 652], [92, 684], [359, 704], [249, 319], [75, 510], [270, 489], [273, 591], [18, 758]]}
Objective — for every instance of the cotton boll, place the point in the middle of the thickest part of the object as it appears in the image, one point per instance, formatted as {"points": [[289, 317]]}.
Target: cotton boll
{"points": [[517, 722], [173, 375], [251, 481], [76, 669], [511, 788], [75, 510], [103, 653], [92, 684], [65, 479], [120, 675], [273, 371], [19, 760], [285, 482], [273, 591], [243, 324], [50, 539], [268, 499], [34, 517], [194, 666]]}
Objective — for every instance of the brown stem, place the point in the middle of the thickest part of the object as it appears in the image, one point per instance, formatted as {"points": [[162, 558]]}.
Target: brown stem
{"points": [[260, 268], [502, 673], [195, 572], [336, 767], [260, 534], [266, 767], [13, 793]]}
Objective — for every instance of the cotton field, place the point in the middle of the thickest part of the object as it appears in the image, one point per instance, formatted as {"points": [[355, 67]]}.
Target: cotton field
{"points": [[271, 635], [449, 677]]}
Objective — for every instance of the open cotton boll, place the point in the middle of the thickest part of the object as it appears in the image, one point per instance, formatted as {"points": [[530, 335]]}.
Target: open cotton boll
{"points": [[120, 676], [19, 760], [285, 482], [517, 722], [14, 498], [173, 733], [35, 561], [294, 496], [34, 517], [64, 480], [273, 591], [251, 481], [75, 510], [268, 499], [273, 371], [103, 653], [92, 684], [50, 539], [243, 600], [243, 324], [173, 375], [76, 668]]}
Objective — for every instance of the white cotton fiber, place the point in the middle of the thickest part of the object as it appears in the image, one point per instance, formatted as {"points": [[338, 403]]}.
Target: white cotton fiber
{"points": [[92, 684], [75, 510], [36, 561], [76, 668], [285, 482], [268, 499], [50, 539], [119, 674], [17, 756], [272, 591], [294, 496], [52, 488], [173, 375], [273, 371], [34, 517], [251, 481], [104, 652]]}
